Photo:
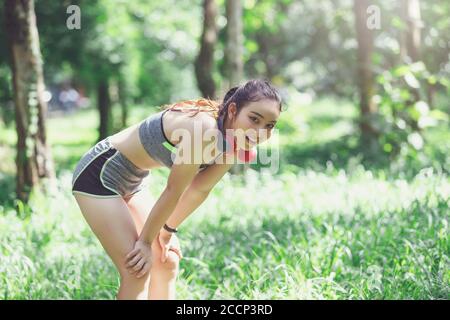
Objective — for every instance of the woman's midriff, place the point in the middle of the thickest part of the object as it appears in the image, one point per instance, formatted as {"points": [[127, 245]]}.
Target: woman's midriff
{"points": [[128, 143]]}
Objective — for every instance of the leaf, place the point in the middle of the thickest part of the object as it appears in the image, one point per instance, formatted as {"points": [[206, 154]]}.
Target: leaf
{"points": [[416, 140], [432, 79], [438, 115], [422, 107], [418, 66], [445, 82], [411, 80], [426, 122], [401, 70]]}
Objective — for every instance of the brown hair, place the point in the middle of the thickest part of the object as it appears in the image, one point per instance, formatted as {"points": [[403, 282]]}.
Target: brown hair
{"points": [[252, 90]]}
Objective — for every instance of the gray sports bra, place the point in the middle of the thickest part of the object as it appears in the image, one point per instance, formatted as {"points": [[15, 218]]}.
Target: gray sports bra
{"points": [[157, 145]]}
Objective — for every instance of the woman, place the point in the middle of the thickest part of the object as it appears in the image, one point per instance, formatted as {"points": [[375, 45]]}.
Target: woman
{"points": [[108, 182]]}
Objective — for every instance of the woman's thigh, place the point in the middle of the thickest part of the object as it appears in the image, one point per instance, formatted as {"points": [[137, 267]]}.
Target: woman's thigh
{"points": [[140, 205], [111, 221]]}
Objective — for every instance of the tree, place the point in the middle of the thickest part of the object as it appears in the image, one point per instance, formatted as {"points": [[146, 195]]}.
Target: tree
{"points": [[33, 155], [364, 38], [411, 39], [104, 107], [205, 61], [234, 45]]}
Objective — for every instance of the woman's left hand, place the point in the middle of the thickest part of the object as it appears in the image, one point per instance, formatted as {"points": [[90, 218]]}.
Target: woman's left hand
{"points": [[139, 260], [168, 241]]}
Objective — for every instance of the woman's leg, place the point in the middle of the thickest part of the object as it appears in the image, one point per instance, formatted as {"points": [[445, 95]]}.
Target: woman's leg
{"points": [[111, 221], [163, 275]]}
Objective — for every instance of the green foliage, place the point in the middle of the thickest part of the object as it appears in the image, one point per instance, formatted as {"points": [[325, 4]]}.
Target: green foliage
{"points": [[404, 113], [341, 231], [308, 235], [330, 224]]}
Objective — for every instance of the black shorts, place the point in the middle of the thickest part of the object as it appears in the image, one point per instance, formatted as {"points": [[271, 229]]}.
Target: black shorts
{"points": [[105, 172]]}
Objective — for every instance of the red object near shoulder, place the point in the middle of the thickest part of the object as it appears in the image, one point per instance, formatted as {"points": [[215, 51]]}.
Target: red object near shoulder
{"points": [[243, 155], [247, 155]]}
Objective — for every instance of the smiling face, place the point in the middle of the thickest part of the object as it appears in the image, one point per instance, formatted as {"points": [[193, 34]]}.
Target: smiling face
{"points": [[254, 123]]}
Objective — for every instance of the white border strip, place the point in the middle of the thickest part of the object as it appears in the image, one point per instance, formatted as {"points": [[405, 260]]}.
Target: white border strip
{"points": [[96, 195], [103, 168]]}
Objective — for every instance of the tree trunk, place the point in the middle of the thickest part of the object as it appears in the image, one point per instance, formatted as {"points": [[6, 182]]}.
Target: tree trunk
{"points": [[204, 63], [265, 43], [234, 54], [411, 37], [104, 107], [123, 100], [235, 39], [365, 76], [34, 159]]}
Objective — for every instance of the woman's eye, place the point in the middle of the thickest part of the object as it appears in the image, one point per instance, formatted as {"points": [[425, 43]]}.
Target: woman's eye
{"points": [[271, 126], [254, 119]]}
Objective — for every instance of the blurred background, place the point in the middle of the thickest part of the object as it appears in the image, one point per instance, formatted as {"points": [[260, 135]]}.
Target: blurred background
{"points": [[359, 206]]}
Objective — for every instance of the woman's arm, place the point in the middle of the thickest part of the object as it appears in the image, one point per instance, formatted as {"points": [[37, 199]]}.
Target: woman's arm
{"points": [[184, 169], [138, 261], [197, 192], [179, 178], [181, 175]]}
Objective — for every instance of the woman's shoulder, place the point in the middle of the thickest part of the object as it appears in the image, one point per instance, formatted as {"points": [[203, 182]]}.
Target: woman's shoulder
{"points": [[191, 120], [178, 124]]}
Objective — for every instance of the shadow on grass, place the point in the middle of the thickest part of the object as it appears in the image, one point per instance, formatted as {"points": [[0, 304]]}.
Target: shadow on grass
{"points": [[316, 155], [348, 151], [339, 151]]}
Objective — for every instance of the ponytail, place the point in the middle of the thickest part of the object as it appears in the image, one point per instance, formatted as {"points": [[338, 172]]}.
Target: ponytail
{"points": [[200, 104]]}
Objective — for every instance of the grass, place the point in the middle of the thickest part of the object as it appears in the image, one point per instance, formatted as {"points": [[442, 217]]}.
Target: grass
{"points": [[327, 230]]}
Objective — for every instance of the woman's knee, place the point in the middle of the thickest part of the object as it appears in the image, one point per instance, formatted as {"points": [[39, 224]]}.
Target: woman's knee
{"points": [[129, 278], [170, 266]]}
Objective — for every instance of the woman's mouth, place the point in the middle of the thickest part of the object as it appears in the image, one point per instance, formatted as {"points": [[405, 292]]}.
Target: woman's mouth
{"points": [[249, 140]]}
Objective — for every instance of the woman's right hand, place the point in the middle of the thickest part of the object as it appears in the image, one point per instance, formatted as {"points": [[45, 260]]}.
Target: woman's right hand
{"points": [[139, 260], [169, 241]]}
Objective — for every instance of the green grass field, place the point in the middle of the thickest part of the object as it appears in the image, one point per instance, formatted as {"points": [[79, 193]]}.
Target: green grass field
{"points": [[314, 230]]}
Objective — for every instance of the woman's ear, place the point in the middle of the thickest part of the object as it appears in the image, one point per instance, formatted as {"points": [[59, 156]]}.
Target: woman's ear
{"points": [[232, 111]]}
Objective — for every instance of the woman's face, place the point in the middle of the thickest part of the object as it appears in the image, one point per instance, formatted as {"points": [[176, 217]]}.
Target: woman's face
{"points": [[254, 124]]}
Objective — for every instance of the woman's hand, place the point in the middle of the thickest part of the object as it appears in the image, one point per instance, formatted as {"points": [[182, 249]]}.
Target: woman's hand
{"points": [[168, 241], [139, 260]]}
